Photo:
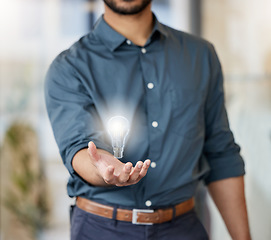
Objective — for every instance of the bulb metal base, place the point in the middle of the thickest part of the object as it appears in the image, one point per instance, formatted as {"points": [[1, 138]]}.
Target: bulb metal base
{"points": [[118, 152]]}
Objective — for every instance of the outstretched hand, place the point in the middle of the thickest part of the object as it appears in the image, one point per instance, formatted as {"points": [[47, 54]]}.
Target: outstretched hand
{"points": [[115, 172]]}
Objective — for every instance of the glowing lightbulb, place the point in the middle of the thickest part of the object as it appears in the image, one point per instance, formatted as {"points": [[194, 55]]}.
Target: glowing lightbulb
{"points": [[118, 129]]}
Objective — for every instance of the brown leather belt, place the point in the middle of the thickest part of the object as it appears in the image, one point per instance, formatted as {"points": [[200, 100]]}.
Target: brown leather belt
{"points": [[136, 216]]}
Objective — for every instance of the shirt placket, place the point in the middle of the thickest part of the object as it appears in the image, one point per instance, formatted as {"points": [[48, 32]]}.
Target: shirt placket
{"points": [[153, 109]]}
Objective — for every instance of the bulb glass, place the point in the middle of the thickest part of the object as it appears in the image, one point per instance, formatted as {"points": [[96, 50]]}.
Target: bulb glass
{"points": [[118, 129]]}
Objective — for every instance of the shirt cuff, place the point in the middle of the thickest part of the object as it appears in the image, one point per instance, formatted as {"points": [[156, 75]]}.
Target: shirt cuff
{"points": [[225, 168]]}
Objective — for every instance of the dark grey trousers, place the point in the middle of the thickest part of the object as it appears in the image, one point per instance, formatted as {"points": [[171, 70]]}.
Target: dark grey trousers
{"points": [[86, 226]]}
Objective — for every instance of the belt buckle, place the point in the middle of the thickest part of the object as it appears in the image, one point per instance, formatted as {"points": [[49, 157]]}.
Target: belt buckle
{"points": [[136, 211]]}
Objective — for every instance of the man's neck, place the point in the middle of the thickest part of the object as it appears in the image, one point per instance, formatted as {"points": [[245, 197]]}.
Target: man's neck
{"points": [[136, 28]]}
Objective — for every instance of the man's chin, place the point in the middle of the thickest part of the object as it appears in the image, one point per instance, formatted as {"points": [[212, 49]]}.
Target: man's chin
{"points": [[127, 10]]}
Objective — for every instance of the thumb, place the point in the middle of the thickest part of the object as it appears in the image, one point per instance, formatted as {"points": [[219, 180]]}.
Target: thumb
{"points": [[92, 151]]}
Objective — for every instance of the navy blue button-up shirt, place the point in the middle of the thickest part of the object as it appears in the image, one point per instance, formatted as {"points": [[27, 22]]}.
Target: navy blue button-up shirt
{"points": [[171, 91]]}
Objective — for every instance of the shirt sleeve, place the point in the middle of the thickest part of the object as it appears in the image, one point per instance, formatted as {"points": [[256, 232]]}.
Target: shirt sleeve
{"points": [[220, 149], [71, 111]]}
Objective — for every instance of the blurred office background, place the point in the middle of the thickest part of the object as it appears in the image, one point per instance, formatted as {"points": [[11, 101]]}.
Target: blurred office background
{"points": [[33, 32]]}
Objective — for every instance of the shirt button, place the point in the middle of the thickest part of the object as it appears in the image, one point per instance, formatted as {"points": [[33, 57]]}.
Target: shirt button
{"points": [[154, 124], [148, 203], [150, 85], [143, 50], [128, 42], [153, 165]]}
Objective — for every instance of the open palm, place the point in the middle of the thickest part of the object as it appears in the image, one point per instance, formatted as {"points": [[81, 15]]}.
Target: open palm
{"points": [[115, 172]]}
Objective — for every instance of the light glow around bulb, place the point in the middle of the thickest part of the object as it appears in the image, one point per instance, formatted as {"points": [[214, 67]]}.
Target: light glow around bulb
{"points": [[118, 129]]}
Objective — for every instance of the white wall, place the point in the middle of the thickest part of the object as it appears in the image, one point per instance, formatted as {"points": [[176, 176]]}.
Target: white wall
{"points": [[241, 33]]}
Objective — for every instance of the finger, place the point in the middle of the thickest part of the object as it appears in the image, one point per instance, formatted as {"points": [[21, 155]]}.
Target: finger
{"points": [[125, 173], [92, 150], [109, 175], [136, 171], [145, 168]]}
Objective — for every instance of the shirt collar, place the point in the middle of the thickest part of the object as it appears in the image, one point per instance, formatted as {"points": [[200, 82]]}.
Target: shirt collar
{"points": [[158, 27], [112, 39]]}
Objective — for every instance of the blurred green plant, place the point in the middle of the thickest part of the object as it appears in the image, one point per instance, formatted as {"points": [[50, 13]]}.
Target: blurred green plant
{"points": [[25, 194]]}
